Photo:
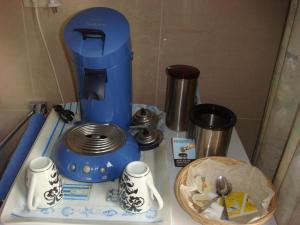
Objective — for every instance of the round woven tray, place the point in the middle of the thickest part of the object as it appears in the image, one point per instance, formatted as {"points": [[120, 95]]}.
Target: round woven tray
{"points": [[181, 179]]}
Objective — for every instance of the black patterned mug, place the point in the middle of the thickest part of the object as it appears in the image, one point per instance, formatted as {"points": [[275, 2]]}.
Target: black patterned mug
{"points": [[136, 188], [44, 184]]}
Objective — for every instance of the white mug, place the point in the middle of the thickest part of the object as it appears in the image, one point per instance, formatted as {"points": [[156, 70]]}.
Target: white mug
{"points": [[44, 184], [136, 188]]}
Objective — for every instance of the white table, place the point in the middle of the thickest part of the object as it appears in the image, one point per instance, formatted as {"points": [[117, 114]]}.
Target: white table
{"points": [[179, 216]]}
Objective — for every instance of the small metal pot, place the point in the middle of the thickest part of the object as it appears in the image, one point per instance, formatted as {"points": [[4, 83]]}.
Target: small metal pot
{"points": [[211, 127]]}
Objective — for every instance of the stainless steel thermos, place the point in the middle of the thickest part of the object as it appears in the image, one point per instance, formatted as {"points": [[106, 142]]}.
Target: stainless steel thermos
{"points": [[211, 127], [180, 95]]}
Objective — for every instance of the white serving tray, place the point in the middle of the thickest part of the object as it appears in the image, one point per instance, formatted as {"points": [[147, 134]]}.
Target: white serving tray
{"points": [[83, 203]]}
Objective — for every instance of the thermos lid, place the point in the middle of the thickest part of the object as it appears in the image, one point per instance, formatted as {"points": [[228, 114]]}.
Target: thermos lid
{"points": [[213, 117], [183, 72], [148, 138], [94, 138]]}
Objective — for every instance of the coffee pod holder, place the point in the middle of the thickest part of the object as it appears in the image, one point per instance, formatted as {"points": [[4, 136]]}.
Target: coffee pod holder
{"points": [[148, 138], [145, 117]]}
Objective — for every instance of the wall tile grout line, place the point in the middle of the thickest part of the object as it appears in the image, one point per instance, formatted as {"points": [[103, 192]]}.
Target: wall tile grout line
{"points": [[159, 51], [29, 67]]}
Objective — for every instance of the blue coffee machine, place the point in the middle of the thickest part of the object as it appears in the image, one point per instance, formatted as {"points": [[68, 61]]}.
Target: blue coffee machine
{"points": [[98, 42], [100, 147]]}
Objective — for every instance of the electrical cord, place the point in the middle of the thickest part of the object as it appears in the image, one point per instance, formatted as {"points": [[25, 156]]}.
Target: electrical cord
{"points": [[35, 5], [65, 114]]}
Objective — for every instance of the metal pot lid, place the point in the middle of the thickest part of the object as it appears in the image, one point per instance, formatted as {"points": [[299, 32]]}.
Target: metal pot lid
{"points": [[94, 138], [145, 117], [183, 72], [149, 138]]}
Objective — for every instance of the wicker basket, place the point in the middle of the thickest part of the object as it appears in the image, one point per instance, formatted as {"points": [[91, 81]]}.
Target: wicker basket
{"points": [[181, 179]]}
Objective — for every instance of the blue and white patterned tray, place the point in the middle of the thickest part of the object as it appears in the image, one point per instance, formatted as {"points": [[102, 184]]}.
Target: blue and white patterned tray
{"points": [[84, 203]]}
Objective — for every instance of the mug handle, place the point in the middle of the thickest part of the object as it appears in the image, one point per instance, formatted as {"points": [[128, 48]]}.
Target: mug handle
{"points": [[32, 203], [156, 194]]}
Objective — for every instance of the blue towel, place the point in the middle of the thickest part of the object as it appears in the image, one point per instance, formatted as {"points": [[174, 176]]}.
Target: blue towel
{"points": [[16, 160]]}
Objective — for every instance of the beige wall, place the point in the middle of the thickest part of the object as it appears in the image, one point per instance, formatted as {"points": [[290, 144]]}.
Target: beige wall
{"points": [[233, 42]]}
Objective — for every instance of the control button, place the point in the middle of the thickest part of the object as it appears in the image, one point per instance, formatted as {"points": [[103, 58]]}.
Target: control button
{"points": [[86, 169], [72, 167], [102, 170]]}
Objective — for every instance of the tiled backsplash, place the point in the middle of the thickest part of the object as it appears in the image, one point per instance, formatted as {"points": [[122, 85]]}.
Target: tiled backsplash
{"points": [[234, 43]]}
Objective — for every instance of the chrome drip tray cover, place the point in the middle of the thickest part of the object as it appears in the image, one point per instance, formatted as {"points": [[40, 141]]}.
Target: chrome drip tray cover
{"points": [[94, 152], [94, 138]]}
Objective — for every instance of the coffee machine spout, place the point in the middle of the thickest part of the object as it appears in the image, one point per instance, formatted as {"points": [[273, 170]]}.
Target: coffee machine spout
{"points": [[94, 84]]}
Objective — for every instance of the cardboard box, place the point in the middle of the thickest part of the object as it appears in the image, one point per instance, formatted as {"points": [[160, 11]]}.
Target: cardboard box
{"points": [[183, 151]]}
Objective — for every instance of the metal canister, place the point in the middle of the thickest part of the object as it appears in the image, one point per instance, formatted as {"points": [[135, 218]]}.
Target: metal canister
{"points": [[180, 95], [211, 127]]}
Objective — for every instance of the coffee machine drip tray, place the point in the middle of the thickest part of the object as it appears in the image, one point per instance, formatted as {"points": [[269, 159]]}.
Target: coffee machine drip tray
{"points": [[95, 152], [95, 139]]}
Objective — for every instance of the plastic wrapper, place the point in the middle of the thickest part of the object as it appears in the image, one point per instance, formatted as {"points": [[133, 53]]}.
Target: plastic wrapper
{"points": [[243, 177]]}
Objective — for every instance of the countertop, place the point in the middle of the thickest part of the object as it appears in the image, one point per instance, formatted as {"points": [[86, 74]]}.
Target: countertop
{"points": [[178, 215]]}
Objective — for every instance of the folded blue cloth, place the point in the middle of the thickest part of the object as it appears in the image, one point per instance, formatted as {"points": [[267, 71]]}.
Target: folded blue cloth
{"points": [[16, 160]]}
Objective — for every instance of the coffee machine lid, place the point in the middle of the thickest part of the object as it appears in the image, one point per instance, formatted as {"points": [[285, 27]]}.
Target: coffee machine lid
{"points": [[97, 32]]}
